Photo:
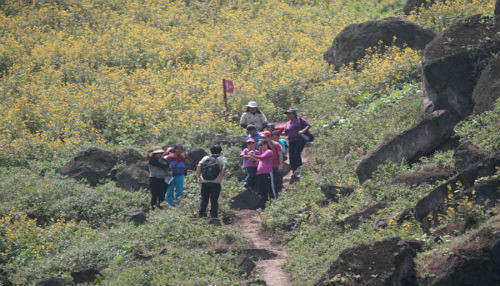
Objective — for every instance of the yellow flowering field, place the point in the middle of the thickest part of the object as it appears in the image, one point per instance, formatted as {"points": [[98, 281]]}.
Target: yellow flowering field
{"points": [[102, 71]]}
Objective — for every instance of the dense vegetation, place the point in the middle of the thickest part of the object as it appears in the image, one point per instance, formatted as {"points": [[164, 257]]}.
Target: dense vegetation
{"points": [[115, 73]]}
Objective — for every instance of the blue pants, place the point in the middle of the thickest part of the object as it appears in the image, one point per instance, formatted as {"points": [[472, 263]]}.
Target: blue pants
{"points": [[178, 184], [250, 178]]}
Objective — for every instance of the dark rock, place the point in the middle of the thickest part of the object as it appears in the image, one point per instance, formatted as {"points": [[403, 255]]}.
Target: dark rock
{"points": [[385, 262], [354, 220], [450, 144], [246, 200], [215, 221], [55, 281], [452, 64], [429, 207], [229, 141], [256, 282], [92, 165], [244, 264], [399, 218], [487, 89], [410, 145], [416, 5], [467, 154], [238, 174], [227, 216], [194, 157], [138, 217], [132, 178], [333, 192], [129, 156], [351, 43], [85, 274], [426, 176], [466, 267]]}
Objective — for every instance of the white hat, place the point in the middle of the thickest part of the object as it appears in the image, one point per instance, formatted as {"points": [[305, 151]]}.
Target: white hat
{"points": [[158, 150], [252, 104]]}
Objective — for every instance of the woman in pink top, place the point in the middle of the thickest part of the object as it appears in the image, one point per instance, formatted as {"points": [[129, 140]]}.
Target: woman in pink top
{"points": [[264, 185]]}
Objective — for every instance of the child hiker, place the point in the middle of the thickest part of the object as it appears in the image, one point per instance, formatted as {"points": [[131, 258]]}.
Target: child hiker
{"points": [[178, 164], [249, 165]]}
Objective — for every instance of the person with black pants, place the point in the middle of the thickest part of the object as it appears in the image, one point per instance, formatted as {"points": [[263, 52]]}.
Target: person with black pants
{"points": [[159, 169], [210, 172]]}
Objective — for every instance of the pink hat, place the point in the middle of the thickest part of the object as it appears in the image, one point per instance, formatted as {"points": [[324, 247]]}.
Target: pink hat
{"points": [[266, 134], [250, 140]]}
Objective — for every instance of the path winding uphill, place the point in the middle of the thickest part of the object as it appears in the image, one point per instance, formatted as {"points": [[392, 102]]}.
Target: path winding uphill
{"points": [[248, 223]]}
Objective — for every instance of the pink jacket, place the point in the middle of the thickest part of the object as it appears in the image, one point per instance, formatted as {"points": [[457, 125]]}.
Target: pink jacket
{"points": [[265, 162]]}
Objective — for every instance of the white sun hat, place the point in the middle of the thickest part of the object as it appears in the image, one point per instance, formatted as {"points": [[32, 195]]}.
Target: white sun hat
{"points": [[252, 104]]}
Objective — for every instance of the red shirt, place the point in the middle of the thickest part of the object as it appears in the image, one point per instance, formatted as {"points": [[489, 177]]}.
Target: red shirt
{"points": [[277, 149]]}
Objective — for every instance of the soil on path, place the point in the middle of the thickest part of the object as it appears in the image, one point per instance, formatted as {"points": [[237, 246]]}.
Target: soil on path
{"points": [[248, 223]]}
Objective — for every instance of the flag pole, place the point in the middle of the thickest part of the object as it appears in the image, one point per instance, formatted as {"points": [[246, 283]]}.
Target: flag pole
{"points": [[226, 113]]}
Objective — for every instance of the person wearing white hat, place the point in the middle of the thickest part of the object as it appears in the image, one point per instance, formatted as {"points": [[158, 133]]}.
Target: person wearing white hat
{"points": [[253, 116], [159, 169]]}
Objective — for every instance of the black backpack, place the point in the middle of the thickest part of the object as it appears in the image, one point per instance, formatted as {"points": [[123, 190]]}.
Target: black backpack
{"points": [[210, 169]]}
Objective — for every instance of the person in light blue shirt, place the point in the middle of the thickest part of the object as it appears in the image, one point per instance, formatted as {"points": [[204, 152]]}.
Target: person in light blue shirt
{"points": [[254, 134]]}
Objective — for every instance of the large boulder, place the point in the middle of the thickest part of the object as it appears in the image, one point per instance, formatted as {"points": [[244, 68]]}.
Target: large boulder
{"points": [[91, 164], [487, 89], [351, 43], [129, 156], [453, 62], [132, 178], [487, 192], [420, 140], [194, 157], [385, 262], [333, 192]]}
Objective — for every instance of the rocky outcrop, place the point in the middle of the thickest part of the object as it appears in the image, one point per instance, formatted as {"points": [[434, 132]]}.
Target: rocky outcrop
{"points": [[137, 217], [351, 43], [194, 157], [91, 164], [468, 154], [333, 192], [85, 274], [246, 200], [453, 62], [420, 140], [429, 207], [487, 89], [132, 178], [425, 176], [385, 262], [129, 156], [474, 262]]}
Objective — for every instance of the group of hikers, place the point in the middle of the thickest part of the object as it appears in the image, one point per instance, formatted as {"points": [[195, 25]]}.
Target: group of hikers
{"points": [[263, 161]]}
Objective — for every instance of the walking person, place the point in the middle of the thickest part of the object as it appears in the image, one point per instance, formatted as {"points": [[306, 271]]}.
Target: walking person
{"points": [[159, 169], [178, 164], [253, 116], [210, 172], [264, 180], [249, 165], [296, 129]]}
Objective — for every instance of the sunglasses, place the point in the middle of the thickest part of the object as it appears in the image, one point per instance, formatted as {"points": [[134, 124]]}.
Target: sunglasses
{"points": [[260, 145]]}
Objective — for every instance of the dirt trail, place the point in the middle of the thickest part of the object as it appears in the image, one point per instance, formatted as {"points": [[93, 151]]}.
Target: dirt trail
{"points": [[248, 223]]}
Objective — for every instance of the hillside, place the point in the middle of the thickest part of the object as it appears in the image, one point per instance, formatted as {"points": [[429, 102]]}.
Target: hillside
{"points": [[118, 74]]}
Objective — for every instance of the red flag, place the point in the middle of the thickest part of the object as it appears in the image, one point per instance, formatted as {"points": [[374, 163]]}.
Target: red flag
{"points": [[229, 86]]}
